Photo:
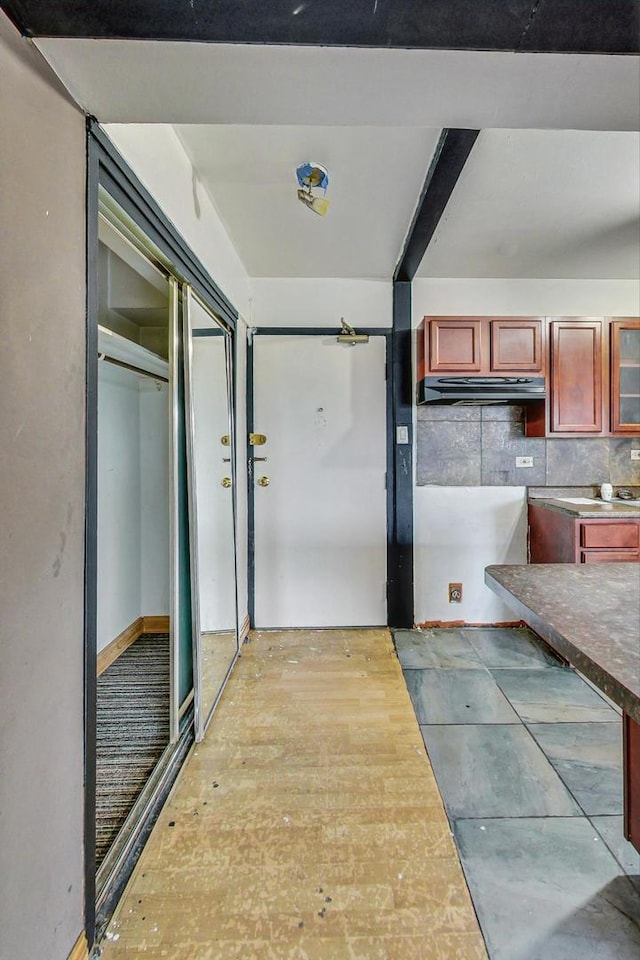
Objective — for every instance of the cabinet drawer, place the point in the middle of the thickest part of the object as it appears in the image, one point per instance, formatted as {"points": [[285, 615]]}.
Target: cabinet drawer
{"points": [[610, 556], [604, 534]]}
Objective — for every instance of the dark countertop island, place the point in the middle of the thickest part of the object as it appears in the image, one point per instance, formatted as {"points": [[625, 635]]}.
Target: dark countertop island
{"points": [[590, 614]]}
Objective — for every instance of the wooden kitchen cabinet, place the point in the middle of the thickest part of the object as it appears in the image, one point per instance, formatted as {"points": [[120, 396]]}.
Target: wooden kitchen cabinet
{"points": [[517, 345], [625, 376], [577, 376], [483, 345], [455, 345], [556, 537]]}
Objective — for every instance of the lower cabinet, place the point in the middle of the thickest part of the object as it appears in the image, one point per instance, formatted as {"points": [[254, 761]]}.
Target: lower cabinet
{"points": [[556, 537]]}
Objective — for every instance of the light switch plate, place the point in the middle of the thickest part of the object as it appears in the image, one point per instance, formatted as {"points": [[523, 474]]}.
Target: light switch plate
{"points": [[524, 461], [402, 434]]}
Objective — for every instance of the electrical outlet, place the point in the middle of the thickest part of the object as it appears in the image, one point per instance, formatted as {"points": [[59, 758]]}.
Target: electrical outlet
{"points": [[524, 461], [635, 454], [455, 593]]}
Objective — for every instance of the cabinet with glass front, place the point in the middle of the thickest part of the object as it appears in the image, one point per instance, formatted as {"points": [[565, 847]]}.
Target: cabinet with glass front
{"points": [[625, 376]]}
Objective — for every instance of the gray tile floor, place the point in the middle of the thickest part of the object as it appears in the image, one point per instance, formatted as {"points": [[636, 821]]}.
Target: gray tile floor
{"points": [[528, 758]]}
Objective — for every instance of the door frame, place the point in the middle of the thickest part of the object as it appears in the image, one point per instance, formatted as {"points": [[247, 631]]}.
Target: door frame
{"points": [[385, 332]]}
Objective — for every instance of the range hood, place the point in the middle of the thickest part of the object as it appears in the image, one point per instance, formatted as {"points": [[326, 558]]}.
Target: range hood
{"points": [[479, 390]]}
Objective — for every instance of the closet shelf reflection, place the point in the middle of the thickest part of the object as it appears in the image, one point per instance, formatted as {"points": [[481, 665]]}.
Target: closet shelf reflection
{"points": [[131, 355]]}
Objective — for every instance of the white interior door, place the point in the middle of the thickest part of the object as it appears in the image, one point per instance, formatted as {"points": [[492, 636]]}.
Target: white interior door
{"points": [[320, 524]]}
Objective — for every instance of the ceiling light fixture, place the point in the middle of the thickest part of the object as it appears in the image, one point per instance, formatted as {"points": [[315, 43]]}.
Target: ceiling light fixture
{"points": [[312, 176]]}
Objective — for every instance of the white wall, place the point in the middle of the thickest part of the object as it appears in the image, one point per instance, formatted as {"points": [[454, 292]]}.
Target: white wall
{"points": [[545, 298], [155, 154], [118, 502], [42, 504], [311, 302], [133, 501], [460, 531], [155, 565]]}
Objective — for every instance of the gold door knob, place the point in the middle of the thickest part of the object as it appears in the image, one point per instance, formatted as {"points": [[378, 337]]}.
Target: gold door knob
{"points": [[226, 481], [263, 481]]}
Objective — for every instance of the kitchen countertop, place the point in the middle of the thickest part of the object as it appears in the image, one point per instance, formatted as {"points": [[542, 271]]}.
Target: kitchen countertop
{"points": [[589, 614], [597, 509]]}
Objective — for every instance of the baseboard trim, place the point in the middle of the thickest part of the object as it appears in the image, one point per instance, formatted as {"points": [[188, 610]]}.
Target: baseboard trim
{"points": [[129, 635], [80, 949], [245, 627], [155, 624], [463, 623], [113, 650]]}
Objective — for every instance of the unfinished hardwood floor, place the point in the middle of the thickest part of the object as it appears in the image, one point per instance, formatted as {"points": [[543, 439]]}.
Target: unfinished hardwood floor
{"points": [[307, 826]]}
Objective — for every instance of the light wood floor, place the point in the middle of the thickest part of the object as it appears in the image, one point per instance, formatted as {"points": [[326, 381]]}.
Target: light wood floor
{"points": [[307, 826]]}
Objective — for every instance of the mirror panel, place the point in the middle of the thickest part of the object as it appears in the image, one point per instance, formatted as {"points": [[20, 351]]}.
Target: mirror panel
{"points": [[134, 627], [211, 506]]}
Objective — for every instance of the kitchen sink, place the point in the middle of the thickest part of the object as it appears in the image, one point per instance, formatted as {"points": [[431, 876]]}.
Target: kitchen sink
{"points": [[578, 500]]}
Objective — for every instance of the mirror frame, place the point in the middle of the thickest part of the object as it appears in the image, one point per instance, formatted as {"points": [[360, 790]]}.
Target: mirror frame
{"points": [[203, 713]]}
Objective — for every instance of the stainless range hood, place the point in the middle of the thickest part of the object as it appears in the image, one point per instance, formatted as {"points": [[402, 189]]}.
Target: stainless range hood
{"points": [[480, 390]]}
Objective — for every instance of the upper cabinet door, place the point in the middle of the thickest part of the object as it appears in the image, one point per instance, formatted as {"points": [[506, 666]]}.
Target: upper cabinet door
{"points": [[576, 376], [455, 344], [625, 376], [517, 345]]}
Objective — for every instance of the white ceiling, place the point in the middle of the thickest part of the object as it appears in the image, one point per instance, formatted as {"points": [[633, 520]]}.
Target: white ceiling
{"points": [[139, 81], [548, 190], [376, 174], [543, 203]]}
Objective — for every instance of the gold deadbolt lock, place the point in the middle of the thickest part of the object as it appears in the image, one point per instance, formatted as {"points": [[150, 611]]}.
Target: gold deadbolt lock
{"points": [[226, 440], [257, 439], [226, 481], [263, 481]]}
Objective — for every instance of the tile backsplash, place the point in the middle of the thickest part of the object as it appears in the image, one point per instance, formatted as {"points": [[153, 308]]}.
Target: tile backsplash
{"points": [[478, 446]]}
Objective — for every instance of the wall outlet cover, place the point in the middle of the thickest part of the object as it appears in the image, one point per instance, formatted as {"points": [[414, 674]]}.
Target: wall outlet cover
{"points": [[524, 461], [635, 454], [455, 593]]}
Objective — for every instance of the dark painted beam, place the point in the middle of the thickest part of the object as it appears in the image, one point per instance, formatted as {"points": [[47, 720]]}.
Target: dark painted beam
{"points": [[400, 600], [451, 153], [450, 156], [557, 26]]}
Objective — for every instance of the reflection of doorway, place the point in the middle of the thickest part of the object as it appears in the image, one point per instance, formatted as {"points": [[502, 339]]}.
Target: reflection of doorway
{"points": [[212, 513], [133, 539]]}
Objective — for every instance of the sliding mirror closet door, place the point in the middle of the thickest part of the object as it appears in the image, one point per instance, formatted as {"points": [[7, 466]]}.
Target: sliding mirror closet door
{"points": [[134, 554], [210, 456]]}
